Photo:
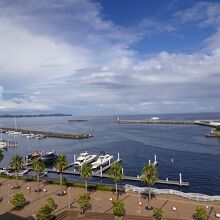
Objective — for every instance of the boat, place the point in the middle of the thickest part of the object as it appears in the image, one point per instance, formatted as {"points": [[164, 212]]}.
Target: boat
{"points": [[3, 143], [102, 160], [84, 158], [49, 157], [31, 156]]}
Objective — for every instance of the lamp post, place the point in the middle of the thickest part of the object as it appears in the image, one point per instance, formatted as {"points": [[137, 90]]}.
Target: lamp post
{"points": [[69, 202], [8, 191], [101, 159]]}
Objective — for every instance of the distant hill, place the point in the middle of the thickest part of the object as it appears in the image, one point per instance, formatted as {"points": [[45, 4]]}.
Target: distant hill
{"points": [[34, 115]]}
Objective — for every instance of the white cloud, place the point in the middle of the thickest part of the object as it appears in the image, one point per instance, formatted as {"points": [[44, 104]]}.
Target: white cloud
{"points": [[75, 60]]}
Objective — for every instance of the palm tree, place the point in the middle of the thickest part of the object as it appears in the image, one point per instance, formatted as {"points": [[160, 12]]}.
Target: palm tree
{"points": [[149, 176], [116, 173], [38, 166], [16, 164], [1, 155], [86, 173], [61, 165]]}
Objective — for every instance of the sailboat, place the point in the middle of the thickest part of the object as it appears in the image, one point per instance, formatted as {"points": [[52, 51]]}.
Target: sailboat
{"points": [[16, 132]]}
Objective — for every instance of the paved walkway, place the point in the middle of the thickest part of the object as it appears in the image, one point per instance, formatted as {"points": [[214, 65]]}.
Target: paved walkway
{"points": [[100, 201]]}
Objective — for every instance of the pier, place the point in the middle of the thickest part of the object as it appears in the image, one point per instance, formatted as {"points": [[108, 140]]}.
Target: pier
{"points": [[48, 134], [129, 178]]}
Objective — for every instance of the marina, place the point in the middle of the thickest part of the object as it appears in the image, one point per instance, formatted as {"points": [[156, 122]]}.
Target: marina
{"points": [[173, 145]]}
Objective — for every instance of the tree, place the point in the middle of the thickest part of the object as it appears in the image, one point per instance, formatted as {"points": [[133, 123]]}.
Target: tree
{"points": [[38, 166], [86, 173], [158, 212], [200, 213], [18, 200], [116, 173], [84, 202], [1, 155], [61, 165], [45, 213], [149, 176], [16, 164], [51, 203], [118, 208]]}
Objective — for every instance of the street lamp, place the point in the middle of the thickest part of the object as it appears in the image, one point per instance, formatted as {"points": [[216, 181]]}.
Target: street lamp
{"points": [[101, 159], [69, 202]]}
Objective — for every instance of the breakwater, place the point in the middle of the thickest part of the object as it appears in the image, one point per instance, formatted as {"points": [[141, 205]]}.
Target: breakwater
{"points": [[49, 134], [150, 121]]}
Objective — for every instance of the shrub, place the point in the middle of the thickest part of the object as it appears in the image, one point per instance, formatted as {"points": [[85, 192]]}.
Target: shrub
{"points": [[158, 212], [84, 202], [51, 203], [200, 213], [18, 200], [45, 213], [217, 128], [118, 208]]}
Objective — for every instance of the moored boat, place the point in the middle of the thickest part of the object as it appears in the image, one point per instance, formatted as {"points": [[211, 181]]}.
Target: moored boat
{"points": [[29, 158], [102, 160], [84, 158], [49, 157]]}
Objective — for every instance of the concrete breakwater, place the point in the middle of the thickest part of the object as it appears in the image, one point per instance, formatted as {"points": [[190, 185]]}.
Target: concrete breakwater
{"points": [[49, 134], [150, 121]]}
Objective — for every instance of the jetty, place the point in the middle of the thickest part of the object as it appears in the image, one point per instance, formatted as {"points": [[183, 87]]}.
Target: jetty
{"points": [[151, 121], [48, 134]]}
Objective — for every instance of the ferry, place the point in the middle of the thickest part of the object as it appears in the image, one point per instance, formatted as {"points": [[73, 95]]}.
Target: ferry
{"points": [[102, 160], [84, 158]]}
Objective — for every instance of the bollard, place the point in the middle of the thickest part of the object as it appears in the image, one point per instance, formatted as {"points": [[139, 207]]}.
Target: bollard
{"points": [[118, 157], [180, 175], [155, 158]]}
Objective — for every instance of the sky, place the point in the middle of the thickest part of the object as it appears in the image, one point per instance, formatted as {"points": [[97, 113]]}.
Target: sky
{"points": [[109, 57]]}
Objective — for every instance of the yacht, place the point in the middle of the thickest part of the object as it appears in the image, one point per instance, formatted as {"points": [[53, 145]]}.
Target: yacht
{"points": [[103, 160], [85, 158], [49, 157], [29, 158]]}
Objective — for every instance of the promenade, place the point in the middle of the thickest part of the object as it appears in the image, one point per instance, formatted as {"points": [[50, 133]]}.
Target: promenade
{"points": [[100, 201]]}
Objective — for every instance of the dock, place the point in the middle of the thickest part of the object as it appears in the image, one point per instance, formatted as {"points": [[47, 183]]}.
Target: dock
{"points": [[129, 178], [49, 134]]}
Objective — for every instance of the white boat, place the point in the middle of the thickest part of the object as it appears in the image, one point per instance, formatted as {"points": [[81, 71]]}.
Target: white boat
{"points": [[85, 158], [3, 144], [103, 160]]}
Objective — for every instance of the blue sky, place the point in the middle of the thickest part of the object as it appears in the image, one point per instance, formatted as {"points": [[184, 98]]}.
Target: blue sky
{"points": [[90, 57]]}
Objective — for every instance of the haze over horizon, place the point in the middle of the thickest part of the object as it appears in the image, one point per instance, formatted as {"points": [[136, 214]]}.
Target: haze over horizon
{"points": [[98, 57]]}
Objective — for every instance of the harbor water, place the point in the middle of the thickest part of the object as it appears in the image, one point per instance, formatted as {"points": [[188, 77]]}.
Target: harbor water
{"points": [[179, 148]]}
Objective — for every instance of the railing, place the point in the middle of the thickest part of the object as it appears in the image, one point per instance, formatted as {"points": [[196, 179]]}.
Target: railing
{"points": [[192, 196]]}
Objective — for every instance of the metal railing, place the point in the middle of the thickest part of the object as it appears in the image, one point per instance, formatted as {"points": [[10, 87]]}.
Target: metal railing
{"points": [[192, 196]]}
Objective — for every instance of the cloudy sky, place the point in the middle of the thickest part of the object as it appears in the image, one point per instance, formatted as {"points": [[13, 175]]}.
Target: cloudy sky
{"points": [[106, 57]]}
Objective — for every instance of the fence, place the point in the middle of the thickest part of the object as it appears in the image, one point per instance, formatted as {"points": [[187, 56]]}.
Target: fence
{"points": [[192, 196]]}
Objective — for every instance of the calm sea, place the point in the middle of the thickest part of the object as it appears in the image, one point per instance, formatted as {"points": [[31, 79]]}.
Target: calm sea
{"points": [[194, 155]]}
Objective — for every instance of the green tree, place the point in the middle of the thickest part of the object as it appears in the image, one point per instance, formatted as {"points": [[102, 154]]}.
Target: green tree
{"points": [[116, 173], [16, 164], [51, 203], [86, 173], [200, 213], [84, 202], [61, 164], [158, 213], [1, 155], [38, 166], [45, 213], [18, 200], [118, 208], [149, 176]]}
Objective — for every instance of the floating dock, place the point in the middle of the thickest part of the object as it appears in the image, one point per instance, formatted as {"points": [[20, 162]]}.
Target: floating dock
{"points": [[49, 134]]}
